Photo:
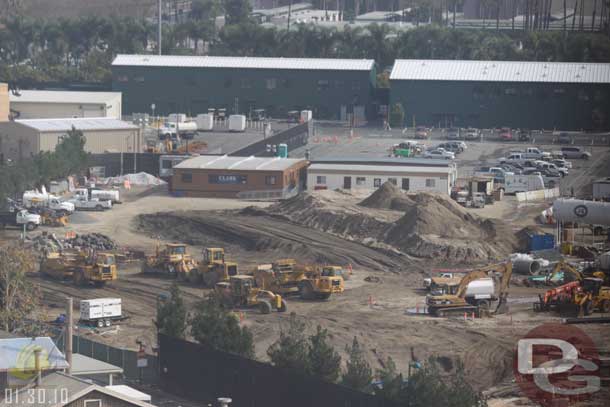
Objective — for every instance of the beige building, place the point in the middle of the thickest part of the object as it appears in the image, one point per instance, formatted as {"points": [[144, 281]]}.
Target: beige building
{"points": [[41, 104], [23, 138], [4, 102]]}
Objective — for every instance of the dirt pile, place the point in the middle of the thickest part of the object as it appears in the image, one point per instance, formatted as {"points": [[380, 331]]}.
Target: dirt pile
{"points": [[431, 225]]}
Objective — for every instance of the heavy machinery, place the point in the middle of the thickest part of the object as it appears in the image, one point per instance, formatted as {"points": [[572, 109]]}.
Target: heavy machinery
{"points": [[576, 298], [173, 260], [213, 269], [50, 217], [474, 293], [285, 277], [241, 291], [83, 267]]}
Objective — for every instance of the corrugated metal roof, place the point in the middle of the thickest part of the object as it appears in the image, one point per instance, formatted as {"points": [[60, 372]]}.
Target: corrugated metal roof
{"points": [[423, 162], [84, 365], [329, 64], [81, 123], [224, 162], [58, 96], [378, 168], [499, 71], [18, 354]]}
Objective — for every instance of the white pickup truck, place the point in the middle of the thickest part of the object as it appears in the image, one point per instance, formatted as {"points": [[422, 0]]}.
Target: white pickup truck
{"points": [[34, 199], [81, 203], [531, 153], [19, 219], [103, 194]]}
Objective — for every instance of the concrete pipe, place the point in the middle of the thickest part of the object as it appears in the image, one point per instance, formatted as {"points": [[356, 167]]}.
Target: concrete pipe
{"points": [[526, 266]]}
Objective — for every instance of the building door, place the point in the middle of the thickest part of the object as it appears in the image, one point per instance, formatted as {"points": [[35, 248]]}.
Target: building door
{"points": [[405, 184], [347, 182]]}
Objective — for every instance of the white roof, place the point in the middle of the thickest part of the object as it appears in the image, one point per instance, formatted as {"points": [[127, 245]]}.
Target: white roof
{"points": [[379, 168], [182, 61], [130, 392], [499, 71], [59, 96], [84, 365], [81, 123], [224, 162]]}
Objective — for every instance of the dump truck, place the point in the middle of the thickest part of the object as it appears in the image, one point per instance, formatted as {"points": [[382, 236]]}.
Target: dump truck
{"points": [[310, 282], [474, 293], [173, 260], [241, 292], [20, 218], [82, 267], [213, 269]]}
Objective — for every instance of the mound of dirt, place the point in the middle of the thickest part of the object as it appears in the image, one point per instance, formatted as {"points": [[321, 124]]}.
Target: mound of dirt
{"points": [[431, 224]]}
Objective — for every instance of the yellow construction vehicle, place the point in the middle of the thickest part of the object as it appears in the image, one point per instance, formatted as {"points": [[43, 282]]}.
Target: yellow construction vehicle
{"points": [[474, 293], [576, 298], [97, 268], [173, 260], [241, 291], [213, 269], [285, 277]]}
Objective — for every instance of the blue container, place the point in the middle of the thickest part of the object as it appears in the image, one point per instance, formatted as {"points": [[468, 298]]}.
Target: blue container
{"points": [[542, 242]]}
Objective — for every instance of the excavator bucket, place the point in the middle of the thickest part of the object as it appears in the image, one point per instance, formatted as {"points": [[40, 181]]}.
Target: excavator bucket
{"points": [[502, 307]]}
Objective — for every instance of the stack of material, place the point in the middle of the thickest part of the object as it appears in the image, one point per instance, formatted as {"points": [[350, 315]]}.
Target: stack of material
{"points": [[47, 243], [96, 241], [141, 178]]}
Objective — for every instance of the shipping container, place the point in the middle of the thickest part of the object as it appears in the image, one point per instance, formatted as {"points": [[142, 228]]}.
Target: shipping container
{"points": [[100, 311]]}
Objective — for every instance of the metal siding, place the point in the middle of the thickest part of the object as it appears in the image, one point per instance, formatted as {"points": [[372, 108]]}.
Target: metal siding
{"points": [[194, 90], [97, 142], [43, 110], [16, 138]]}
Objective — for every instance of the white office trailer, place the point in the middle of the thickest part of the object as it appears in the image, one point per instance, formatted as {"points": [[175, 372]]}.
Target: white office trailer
{"points": [[48, 104], [369, 174]]}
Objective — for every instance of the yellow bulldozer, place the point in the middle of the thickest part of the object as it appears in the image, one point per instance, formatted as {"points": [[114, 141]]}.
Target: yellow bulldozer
{"points": [[213, 269], [284, 276], [173, 260], [241, 292], [83, 267]]}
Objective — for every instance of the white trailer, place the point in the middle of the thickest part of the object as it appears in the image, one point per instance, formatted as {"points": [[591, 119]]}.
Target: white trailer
{"points": [[205, 122], [514, 183], [100, 312], [237, 122]]}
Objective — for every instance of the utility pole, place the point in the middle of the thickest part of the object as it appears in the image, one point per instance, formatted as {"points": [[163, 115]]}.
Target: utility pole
{"points": [[159, 24], [290, 13], [68, 336]]}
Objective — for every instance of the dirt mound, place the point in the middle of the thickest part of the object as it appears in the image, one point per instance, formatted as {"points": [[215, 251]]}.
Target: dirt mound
{"points": [[431, 225]]}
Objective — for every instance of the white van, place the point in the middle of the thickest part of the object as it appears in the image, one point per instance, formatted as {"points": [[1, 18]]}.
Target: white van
{"points": [[514, 183]]}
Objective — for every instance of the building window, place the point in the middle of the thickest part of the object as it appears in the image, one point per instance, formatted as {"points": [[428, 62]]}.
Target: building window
{"points": [[405, 184], [323, 84], [393, 181], [559, 91], [246, 83], [122, 78], [93, 403], [360, 181], [270, 180], [186, 177], [166, 164], [228, 82], [271, 83], [430, 183], [377, 182], [355, 85], [510, 91], [321, 179]]}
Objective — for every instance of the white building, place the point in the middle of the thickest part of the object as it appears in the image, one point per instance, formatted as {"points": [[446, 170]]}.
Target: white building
{"points": [[368, 174], [44, 104]]}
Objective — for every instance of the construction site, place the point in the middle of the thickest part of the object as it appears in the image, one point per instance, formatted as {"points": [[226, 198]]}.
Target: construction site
{"points": [[407, 273]]}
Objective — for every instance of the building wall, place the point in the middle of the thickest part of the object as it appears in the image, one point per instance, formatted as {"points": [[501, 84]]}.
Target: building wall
{"points": [[4, 105], [518, 105], [98, 142], [374, 179], [17, 141], [35, 110], [254, 181], [194, 90], [106, 401]]}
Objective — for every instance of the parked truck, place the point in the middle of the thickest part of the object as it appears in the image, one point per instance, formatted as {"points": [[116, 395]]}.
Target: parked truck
{"points": [[113, 195], [82, 203], [171, 130], [19, 219], [35, 199], [100, 312]]}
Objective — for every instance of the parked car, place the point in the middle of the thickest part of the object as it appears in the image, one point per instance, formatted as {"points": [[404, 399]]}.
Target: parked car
{"points": [[421, 133], [81, 203], [552, 168], [453, 146], [525, 135], [506, 134], [575, 152], [564, 138], [453, 133], [560, 162], [472, 134], [439, 153]]}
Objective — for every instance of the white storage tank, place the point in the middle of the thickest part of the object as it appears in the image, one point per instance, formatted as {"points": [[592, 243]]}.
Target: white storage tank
{"points": [[205, 122], [237, 122], [306, 115], [176, 117], [481, 288], [581, 211]]}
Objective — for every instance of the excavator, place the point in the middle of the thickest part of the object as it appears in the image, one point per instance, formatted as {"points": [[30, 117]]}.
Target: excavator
{"points": [[579, 297], [474, 293]]}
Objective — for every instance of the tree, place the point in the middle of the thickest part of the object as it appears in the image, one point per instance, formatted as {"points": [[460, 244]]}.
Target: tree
{"points": [[290, 350], [171, 314], [397, 115], [324, 361], [358, 374], [392, 382], [19, 298], [237, 11], [71, 152], [214, 326]]}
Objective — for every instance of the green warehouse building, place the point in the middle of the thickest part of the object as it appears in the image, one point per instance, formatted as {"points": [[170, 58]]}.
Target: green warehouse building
{"points": [[332, 88], [489, 94]]}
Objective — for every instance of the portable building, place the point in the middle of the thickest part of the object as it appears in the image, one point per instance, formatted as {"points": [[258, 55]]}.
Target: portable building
{"points": [[49, 104]]}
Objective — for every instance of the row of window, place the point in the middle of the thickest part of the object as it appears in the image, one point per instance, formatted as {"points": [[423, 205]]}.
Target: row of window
{"points": [[377, 182], [582, 95]]}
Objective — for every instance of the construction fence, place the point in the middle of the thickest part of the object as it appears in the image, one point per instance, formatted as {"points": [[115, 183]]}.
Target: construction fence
{"points": [[203, 374]]}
